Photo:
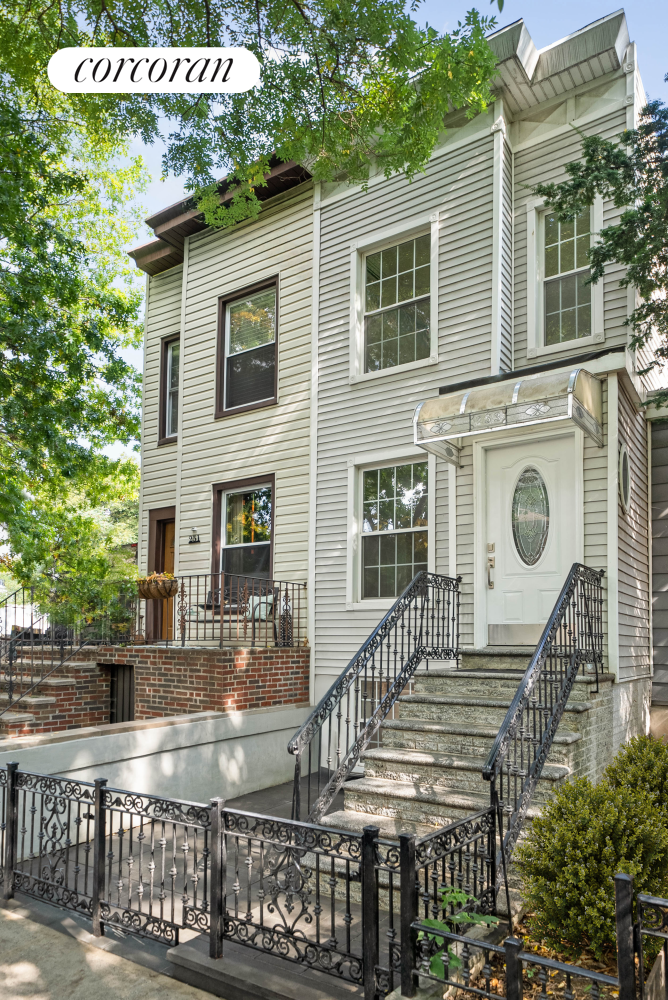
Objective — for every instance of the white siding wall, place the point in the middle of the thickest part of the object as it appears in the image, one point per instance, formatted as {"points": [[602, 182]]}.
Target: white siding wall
{"points": [[273, 439], [377, 414], [163, 318]]}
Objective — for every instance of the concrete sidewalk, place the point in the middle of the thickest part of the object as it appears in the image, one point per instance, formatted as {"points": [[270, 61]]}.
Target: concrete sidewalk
{"points": [[39, 962]]}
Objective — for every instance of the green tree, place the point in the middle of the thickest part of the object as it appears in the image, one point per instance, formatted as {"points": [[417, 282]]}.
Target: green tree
{"points": [[632, 171], [347, 88]]}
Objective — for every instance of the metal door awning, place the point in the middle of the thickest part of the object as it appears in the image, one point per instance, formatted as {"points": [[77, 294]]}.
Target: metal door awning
{"points": [[440, 423]]}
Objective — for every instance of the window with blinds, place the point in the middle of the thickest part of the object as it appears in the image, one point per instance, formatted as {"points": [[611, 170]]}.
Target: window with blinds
{"points": [[249, 344]]}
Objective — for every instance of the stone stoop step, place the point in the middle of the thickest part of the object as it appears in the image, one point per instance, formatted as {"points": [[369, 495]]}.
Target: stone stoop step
{"points": [[427, 771]]}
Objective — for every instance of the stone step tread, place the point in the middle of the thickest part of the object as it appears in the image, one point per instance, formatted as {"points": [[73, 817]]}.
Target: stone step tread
{"points": [[32, 699], [450, 761], [389, 826], [497, 675], [53, 682], [443, 699], [11, 718], [452, 729], [435, 794]]}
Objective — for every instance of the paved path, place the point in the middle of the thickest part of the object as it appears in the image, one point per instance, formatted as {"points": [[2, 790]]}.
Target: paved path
{"points": [[44, 964]]}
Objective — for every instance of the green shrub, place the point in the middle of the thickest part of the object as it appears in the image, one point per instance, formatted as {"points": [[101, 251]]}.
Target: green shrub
{"points": [[584, 837], [642, 763]]}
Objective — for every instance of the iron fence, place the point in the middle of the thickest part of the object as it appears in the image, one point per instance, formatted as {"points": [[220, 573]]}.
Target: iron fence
{"points": [[572, 641], [224, 609], [422, 624], [652, 922]]}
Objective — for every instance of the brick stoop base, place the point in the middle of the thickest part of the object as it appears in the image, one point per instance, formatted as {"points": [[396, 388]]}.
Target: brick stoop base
{"points": [[168, 681]]}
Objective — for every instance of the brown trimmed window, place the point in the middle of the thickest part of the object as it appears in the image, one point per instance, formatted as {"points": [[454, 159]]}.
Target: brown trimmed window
{"points": [[247, 369], [169, 390], [243, 536]]}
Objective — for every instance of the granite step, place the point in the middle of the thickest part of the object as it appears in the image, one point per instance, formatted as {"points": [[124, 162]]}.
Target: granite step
{"points": [[486, 683], [476, 711], [424, 734], [389, 827], [423, 804], [456, 772], [497, 658]]}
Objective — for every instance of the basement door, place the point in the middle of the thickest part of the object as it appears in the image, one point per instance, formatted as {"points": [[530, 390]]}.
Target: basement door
{"points": [[531, 535]]}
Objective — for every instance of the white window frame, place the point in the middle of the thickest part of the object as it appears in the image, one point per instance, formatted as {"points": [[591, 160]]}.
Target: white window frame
{"points": [[223, 519], [356, 467], [536, 347], [381, 240]]}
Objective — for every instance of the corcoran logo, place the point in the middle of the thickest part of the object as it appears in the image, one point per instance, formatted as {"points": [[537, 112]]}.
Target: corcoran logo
{"points": [[154, 70]]}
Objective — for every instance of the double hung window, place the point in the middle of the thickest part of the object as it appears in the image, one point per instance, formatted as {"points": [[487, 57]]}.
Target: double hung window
{"points": [[249, 351], [396, 304], [394, 528], [246, 531], [169, 390], [566, 295]]}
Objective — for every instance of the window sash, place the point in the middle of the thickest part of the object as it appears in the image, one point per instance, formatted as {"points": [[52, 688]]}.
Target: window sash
{"points": [[263, 544], [230, 388], [172, 391]]}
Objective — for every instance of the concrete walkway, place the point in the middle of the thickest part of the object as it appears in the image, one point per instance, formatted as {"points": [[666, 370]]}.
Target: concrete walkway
{"points": [[41, 963]]}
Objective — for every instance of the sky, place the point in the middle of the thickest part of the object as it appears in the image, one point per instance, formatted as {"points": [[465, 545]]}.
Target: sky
{"points": [[547, 21]]}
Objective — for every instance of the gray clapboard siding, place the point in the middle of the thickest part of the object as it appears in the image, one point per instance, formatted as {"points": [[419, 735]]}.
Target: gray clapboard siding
{"points": [[595, 503], [270, 440], [507, 262], [633, 528], [163, 318], [660, 560], [545, 162], [377, 414]]}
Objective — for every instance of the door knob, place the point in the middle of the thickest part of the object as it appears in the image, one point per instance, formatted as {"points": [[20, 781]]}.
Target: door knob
{"points": [[490, 567]]}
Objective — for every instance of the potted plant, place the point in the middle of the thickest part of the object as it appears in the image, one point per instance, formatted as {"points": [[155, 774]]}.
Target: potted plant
{"points": [[157, 586]]}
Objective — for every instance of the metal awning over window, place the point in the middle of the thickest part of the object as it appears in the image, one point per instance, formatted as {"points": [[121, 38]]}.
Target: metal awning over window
{"points": [[539, 399]]}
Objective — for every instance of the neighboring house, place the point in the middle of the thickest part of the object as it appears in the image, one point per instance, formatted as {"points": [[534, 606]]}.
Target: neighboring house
{"points": [[459, 294]]}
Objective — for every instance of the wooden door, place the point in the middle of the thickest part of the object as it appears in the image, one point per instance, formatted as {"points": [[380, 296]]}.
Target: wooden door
{"points": [[168, 567]]}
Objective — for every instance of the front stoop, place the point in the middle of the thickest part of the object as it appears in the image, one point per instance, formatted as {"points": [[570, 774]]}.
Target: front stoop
{"points": [[427, 771], [245, 974]]}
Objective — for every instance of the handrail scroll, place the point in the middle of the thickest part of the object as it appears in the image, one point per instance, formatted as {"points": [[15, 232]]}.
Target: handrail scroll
{"points": [[572, 641], [422, 624]]}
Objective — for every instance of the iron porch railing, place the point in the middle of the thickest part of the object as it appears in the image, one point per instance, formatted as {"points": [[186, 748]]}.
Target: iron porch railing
{"points": [[223, 608], [422, 624], [571, 641]]}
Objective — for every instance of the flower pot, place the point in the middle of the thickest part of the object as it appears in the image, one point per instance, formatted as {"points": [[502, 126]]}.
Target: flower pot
{"points": [[157, 589]]}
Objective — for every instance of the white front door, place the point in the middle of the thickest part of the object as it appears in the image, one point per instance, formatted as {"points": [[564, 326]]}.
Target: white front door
{"points": [[531, 534]]}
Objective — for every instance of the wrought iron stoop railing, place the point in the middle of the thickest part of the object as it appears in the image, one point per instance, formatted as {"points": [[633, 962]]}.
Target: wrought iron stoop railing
{"points": [[422, 624], [572, 641]]}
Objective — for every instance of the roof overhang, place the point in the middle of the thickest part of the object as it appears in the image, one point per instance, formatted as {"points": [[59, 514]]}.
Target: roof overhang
{"points": [[574, 396]]}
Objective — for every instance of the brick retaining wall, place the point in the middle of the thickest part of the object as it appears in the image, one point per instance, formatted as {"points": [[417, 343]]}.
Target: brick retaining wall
{"points": [[168, 681]]}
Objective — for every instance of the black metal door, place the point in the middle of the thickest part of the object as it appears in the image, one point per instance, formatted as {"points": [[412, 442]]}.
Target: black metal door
{"points": [[122, 694]]}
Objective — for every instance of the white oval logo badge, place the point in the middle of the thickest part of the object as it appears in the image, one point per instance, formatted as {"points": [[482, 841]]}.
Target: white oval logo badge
{"points": [[154, 70]]}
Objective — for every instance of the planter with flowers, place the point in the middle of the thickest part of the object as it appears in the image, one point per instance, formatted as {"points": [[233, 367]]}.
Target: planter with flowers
{"points": [[157, 586]]}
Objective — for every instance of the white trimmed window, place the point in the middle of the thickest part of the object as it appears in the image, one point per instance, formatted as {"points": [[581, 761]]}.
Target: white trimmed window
{"points": [[563, 311], [394, 300], [396, 306], [566, 294], [394, 523]]}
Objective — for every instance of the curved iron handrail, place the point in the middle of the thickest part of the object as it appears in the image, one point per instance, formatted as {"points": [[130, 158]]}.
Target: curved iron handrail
{"points": [[572, 639], [421, 624]]}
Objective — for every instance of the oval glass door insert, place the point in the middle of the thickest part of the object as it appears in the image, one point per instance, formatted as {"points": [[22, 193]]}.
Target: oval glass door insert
{"points": [[531, 515]]}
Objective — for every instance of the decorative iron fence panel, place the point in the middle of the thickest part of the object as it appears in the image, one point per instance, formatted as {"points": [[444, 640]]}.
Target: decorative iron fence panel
{"points": [[53, 840], [156, 865], [3, 824], [652, 922], [293, 890]]}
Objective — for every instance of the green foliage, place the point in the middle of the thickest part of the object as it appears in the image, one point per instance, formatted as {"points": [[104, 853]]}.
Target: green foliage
{"points": [[633, 172], [642, 763], [347, 88], [585, 836], [457, 901]]}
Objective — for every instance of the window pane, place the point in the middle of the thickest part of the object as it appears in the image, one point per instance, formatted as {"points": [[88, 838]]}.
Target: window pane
{"points": [[568, 286], [551, 230], [252, 321], [405, 548], [407, 319], [584, 321], [567, 260], [247, 560], [389, 262], [582, 223], [248, 516], [390, 353], [250, 377], [405, 286], [174, 366], [370, 515], [551, 260], [371, 485], [406, 256], [422, 250], [373, 267], [373, 358], [583, 247], [374, 329], [552, 327], [422, 345], [373, 297], [386, 483], [422, 281], [172, 414], [388, 291], [406, 349], [386, 515]]}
